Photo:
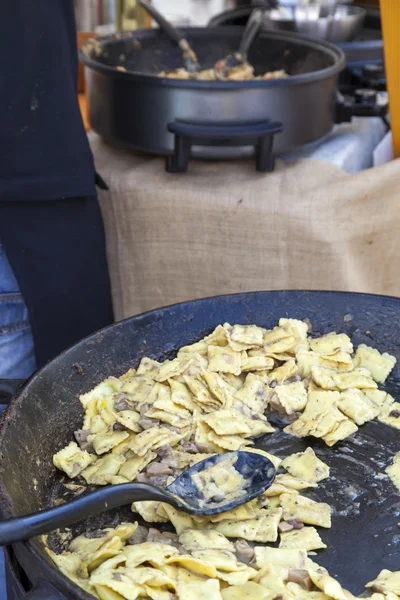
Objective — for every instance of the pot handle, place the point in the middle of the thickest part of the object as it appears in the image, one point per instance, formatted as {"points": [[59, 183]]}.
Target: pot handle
{"points": [[8, 389], [364, 104], [259, 134], [43, 590]]}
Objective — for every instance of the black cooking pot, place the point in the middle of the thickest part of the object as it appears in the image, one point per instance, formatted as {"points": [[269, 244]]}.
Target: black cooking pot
{"points": [[137, 109], [44, 415]]}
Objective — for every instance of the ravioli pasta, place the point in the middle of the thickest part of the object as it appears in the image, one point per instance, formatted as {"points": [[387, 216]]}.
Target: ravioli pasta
{"points": [[243, 72], [154, 422], [206, 564]]}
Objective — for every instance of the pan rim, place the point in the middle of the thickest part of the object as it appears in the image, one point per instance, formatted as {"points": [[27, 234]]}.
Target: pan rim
{"points": [[330, 49]]}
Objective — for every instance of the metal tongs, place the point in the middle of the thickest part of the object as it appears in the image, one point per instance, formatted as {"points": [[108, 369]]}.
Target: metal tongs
{"points": [[239, 58], [188, 55]]}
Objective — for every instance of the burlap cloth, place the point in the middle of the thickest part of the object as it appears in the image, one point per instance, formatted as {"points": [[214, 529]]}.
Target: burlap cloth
{"points": [[223, 228]]}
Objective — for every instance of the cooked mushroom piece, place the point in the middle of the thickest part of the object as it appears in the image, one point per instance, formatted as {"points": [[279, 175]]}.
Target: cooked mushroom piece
{"points": [[144, 408], [120, 402], [283, 527], [296, 524], [119, 427], [163, 451], [301, 577], [155, 535], [81, 436], [158, 468], [148, 423], [244, 551], [189, 447], [139, 536], [159, 480]]}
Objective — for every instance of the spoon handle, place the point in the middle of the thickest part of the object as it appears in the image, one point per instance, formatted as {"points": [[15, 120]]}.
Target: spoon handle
{"points": [[169, 29], [88, 505], [251, 30]]}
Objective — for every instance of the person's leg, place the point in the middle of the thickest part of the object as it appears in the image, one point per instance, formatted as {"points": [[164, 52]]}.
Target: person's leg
{"points": [[17, 358], [57, 252]]}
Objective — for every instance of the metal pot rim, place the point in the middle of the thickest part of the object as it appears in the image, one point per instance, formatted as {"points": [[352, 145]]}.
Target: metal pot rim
{"points": [[347, 10], [330, 49]]}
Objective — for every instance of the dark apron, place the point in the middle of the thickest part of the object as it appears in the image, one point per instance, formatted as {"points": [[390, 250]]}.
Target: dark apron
{"points": [[57, 253], [50, 221]]}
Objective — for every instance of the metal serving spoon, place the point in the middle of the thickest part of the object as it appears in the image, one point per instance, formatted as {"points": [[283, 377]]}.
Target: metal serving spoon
{"points": [[257, 471], [189, 57], [239, 58]]}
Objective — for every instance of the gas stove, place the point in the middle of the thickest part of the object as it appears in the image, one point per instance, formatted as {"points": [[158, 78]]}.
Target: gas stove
{"points": [[365, 59], [364, 77], [363, 82]]}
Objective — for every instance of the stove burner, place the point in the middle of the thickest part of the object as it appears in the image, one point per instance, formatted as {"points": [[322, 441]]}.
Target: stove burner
{"points": [[373, 75], [373, 70], [362, 102], [365, 96], [363, 76]]}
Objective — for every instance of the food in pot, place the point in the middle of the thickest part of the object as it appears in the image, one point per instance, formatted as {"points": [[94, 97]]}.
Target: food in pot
{"points": [[215, 396], [244, 72]]}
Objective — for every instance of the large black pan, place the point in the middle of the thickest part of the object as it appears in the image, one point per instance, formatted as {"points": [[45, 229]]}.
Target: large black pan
{"points": [[139, 110], [216, 119], [365, 533]]}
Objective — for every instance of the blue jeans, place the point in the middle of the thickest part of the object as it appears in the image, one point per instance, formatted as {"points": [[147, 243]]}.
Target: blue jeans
{"points": [[17, 358]]}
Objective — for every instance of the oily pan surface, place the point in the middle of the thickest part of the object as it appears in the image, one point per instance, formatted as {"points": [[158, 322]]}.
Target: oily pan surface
{"points": [[364, 536]]}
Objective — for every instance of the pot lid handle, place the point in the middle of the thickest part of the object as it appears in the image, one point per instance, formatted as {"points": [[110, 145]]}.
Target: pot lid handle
{"points": [[259, 134]]}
